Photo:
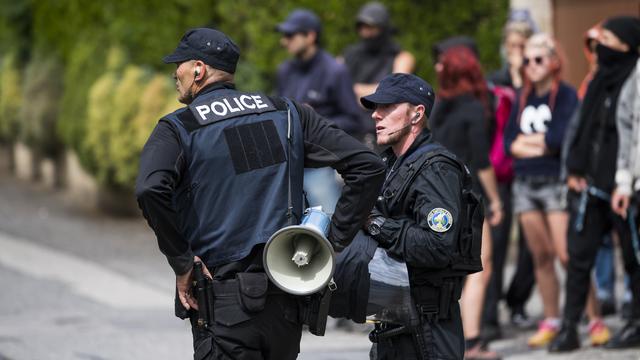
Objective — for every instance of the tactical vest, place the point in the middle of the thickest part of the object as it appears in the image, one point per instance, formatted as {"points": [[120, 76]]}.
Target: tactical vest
{"points": [[238, 184], [467, 249]]}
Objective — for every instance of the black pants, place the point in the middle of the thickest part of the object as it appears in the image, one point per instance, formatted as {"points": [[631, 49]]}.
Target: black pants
{"points": [[273, 333], [523, 280], [444, 340], [583, 247]]}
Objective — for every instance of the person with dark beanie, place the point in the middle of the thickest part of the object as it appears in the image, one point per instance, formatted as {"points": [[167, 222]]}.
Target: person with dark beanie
{"points": [[591, 165]]}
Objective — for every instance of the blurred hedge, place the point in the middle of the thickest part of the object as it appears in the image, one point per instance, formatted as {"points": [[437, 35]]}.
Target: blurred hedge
{"points": [[99, 111], [40, 105], [10, 97]]}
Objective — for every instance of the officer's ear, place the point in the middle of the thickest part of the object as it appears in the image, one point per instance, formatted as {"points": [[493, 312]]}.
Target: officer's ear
{"points": [[199, 70], [418, 114]]}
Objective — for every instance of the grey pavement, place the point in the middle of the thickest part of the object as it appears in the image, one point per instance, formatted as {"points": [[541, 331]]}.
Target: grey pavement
{"points": [[80, 285]]}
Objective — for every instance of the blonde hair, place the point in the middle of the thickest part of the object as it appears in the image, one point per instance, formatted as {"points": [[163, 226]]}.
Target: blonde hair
{"points": [[543, 41], [517, 27]]}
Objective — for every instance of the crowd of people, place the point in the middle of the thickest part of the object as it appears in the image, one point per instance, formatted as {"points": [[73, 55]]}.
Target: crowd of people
{"points": [[536, 149]]}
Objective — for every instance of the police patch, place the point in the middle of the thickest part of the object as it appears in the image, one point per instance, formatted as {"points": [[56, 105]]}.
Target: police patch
{"points": [[440, 220]]}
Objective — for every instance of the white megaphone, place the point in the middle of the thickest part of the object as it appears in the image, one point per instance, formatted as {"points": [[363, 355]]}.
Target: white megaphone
{"points": [[299, 259]]}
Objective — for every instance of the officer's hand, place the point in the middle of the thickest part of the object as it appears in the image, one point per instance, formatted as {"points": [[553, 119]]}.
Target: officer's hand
{"points": [[495, 213], [184, 283], [620, 203]]}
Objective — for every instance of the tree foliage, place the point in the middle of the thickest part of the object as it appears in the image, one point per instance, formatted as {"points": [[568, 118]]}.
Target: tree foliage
{"points": [[10, 97], [104, 108]]}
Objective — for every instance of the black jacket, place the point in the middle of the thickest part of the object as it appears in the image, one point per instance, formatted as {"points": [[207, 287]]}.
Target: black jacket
{"points": [[406, 232]]}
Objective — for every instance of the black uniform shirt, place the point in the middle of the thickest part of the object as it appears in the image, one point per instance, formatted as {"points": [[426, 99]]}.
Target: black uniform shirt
{"points": [[406, 233], [162, 164]]}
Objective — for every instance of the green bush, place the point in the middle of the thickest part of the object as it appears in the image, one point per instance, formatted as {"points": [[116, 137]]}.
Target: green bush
{"points": [[10, 98], [103, 103], [85, 65], [124, 105], [39, 113]]}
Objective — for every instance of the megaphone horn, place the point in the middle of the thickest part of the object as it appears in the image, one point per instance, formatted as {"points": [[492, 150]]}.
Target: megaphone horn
{"points": [[299, 259]]}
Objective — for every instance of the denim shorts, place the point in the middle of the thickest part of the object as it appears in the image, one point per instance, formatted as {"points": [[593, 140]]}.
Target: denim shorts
{"points": [[541, 193]]}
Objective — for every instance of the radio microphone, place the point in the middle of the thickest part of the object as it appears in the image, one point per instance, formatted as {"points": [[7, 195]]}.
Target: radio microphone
{"points": [[412, 122], [400, 129]]}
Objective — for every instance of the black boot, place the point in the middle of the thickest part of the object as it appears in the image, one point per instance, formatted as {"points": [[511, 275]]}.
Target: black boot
{"points": [[627, 337], [566, 340]]}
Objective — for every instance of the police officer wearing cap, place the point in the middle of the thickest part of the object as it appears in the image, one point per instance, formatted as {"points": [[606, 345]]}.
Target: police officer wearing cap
{"points": [[220, 176], [423, 216]]}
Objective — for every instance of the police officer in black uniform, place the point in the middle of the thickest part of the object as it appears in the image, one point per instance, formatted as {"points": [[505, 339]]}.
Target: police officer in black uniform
{"points": [[220, 176], [426, 216]]}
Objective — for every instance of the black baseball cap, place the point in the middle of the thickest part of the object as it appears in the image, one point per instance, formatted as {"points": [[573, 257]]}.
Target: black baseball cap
{"points": [[374, 14], [300, 20], [211, 46], [400, 88]]}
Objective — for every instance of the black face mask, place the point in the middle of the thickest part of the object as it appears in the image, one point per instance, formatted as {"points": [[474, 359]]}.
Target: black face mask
{"points": [[608, 57], [377, 43]]}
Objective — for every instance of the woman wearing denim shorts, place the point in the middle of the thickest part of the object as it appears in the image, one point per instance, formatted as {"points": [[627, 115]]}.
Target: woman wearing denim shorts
{"points": [[534, 138]]}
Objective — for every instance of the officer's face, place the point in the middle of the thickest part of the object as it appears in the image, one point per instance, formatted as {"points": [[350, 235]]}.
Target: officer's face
{"points": [[184, 76], [393, 122], [297, 43]]}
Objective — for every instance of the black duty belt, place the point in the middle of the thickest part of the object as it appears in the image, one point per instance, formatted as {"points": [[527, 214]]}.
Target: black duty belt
{"points": [[226, 288]]}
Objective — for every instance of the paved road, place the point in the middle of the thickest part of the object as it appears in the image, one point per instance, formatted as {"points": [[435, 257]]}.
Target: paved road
{"points": [[85, 286]]}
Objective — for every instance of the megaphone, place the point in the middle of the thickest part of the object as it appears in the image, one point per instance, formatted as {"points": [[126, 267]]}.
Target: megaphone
{"points": [[299, 259]]}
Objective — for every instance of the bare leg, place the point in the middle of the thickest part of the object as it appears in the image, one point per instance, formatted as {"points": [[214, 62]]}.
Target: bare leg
{"points": [[542, 249], [471, 302]]}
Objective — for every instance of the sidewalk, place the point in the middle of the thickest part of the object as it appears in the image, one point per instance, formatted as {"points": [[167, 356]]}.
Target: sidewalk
{"points": [[44, 316]]}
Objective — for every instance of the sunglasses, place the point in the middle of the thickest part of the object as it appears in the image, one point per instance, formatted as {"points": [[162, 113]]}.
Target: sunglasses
{"points": [[290, 35], [538, 60]]}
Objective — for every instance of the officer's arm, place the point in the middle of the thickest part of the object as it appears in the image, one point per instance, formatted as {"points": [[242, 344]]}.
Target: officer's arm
{"points": [[412, 239], [160, 169], [361, 170]]}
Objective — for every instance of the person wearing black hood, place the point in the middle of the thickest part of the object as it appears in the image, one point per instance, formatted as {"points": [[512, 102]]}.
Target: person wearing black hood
{"points": [[375, 56], [591, 164]]}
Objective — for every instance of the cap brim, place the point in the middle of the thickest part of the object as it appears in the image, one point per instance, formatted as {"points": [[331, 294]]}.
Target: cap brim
{"points": [[175, 58], [370, 101], [287, 28]]}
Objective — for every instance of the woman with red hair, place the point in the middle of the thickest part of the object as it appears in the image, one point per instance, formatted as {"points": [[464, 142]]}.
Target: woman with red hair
{"points": [[461, 122], [534, 138]]}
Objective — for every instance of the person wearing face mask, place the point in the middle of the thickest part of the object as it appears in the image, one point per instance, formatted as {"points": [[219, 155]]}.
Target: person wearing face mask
{"points": [[591, 166], [374, 56]]}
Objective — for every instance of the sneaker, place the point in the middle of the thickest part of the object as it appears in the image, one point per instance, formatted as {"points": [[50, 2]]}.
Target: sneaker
{"points": [[521, 320], [599, 333], [546, 332], [479, 352]]}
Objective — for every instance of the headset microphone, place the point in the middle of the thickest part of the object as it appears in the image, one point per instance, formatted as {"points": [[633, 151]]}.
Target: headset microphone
{"points": [[413, 121]]}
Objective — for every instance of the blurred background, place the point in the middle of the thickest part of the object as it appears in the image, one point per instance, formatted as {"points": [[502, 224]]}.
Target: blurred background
{"points": [[82, 85]]}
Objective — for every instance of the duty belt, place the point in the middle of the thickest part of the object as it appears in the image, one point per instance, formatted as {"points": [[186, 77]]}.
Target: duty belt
{"points": [[226, 288]]}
